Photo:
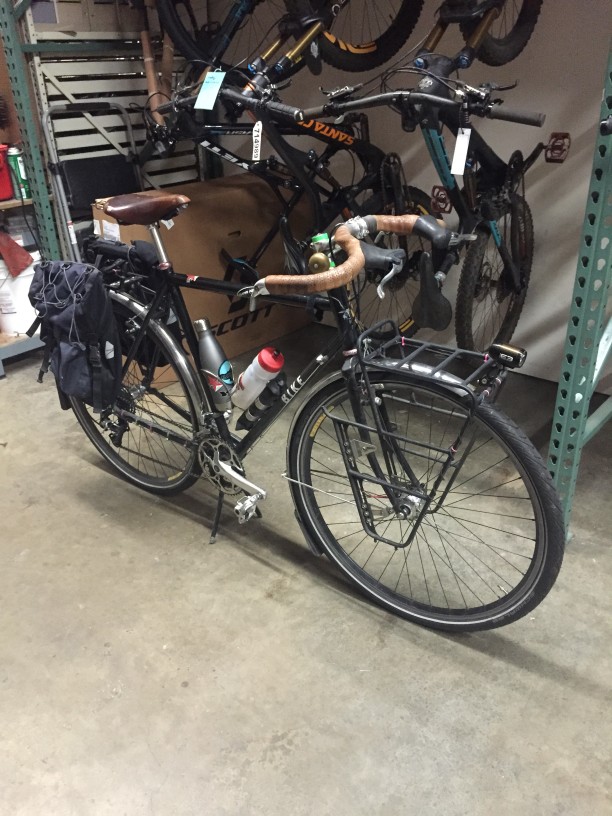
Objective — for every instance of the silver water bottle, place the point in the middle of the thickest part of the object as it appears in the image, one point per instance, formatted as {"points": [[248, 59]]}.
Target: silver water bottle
{"points": [[215, 365]]}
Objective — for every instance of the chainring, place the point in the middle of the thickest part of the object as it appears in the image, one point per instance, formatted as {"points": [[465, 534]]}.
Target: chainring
{"points": [[210, 451]]}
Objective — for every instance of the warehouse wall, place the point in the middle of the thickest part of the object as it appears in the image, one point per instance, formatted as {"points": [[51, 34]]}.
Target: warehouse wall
{"points": [[561, 72]]}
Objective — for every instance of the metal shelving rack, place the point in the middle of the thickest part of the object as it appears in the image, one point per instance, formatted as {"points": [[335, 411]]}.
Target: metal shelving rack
{"points": [[25, 107], [23, 50], [589, 340]]}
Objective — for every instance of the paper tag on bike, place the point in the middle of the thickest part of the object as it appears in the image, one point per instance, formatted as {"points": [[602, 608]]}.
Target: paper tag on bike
{"points": [[110, 230], [461, 149], [210, 90], [256, 140]]}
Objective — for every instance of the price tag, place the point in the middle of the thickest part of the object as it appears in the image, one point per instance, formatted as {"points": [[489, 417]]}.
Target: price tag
{"points": [[110, 230], [256, 140], [461, 150], [210, 90]]}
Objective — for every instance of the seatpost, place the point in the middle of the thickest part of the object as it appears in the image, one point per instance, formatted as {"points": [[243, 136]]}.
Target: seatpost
{"points": [[164, 260]]}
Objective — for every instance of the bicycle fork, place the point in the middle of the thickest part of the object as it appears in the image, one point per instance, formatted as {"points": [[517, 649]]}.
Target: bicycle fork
{"points": [[376, 459]]}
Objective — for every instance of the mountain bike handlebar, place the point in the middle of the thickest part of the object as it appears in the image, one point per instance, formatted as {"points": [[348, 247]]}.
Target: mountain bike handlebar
{"points": [[348, 236], [480, 107], [255, 104], [278, 110]]}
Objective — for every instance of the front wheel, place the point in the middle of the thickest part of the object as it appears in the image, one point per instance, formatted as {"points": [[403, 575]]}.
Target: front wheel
{"points": [[365, 35], [488, 306], [147, 435], [449, 520], [509, 33]]}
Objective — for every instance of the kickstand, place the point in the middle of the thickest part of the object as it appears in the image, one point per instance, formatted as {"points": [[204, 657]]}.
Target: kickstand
{"points": [[217, 519]]}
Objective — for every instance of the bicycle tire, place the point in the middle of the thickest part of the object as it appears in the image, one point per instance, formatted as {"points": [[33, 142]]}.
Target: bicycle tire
{"points": [[355, 43], [460, 573], [401, 292], [509, 34], [352, 54], [156, 394], [488, 309], [195, 44]]}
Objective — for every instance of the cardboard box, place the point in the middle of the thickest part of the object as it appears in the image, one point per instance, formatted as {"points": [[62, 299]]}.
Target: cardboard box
{"points": [[231, 215]]}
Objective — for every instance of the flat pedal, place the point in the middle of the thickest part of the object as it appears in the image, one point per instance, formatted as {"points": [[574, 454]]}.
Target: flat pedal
{"points": [[557, 149]]}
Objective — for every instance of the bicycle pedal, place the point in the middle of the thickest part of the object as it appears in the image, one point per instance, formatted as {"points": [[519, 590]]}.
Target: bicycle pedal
{"points": [[558, 147], [508, 356], [246, 508]]}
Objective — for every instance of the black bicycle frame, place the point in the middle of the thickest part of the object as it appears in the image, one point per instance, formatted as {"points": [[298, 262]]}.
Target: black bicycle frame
{"points": [[340, 200], [491, 166]]}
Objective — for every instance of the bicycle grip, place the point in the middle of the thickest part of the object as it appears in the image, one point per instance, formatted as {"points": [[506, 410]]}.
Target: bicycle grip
{"points": [[169, 107], [313, 113], [285, 111], [520, 117], [256, 104]]}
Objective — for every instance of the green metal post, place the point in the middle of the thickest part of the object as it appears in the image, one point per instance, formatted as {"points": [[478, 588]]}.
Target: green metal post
{"points": [[588, 341], [32, 153]]}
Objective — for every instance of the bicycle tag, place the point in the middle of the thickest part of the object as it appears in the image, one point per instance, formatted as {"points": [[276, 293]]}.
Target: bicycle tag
{"points": [[210, 90], [257, 140], [461, 148]]}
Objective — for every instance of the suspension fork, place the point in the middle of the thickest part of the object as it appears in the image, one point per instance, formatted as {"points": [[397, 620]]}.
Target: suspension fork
{"points": [[223, 36], [511, 272], [437, 151]]}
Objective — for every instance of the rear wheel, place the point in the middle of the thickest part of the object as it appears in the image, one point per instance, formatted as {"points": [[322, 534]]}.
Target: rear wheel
{"points": [[147, 434], [402, 290], [509, 33], [488, 307], [475, 537], [192, 26]]}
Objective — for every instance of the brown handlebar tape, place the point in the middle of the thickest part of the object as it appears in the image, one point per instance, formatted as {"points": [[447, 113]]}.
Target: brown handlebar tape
{"points": [[399, 224], [347, 271]]}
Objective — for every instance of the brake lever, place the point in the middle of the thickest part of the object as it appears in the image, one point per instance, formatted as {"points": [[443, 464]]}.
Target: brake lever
{"points": [[341, 93], [253, 292], [457, 238], [396, 267]]}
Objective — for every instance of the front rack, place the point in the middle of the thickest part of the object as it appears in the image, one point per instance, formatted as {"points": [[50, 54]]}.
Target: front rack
{"points": [[471, 372]]}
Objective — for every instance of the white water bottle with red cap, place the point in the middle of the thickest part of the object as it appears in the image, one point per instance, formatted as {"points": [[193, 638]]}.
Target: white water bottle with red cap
{"points": [[254, 379]]}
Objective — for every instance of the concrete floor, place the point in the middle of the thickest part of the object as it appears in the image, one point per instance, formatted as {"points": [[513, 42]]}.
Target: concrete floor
{"points": [[144, 671]]}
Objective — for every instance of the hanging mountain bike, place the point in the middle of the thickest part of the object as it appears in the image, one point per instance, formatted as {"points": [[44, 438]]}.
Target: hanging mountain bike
{"points": [[353, 35]]}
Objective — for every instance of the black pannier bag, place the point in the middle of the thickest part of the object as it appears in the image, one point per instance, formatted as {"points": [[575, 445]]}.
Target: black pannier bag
{"points": [[79, 330]]}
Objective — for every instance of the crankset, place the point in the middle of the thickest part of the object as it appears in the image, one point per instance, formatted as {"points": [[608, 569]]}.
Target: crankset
{"points": [[222, 467]]}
